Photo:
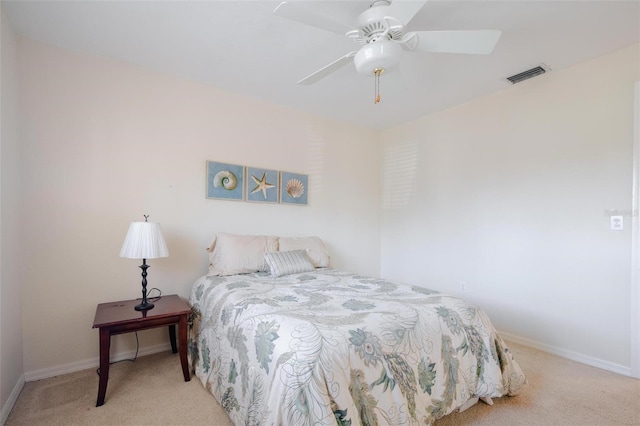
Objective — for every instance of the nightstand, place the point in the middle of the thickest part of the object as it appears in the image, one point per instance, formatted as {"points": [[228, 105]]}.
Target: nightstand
{"points": [[120, 317]]}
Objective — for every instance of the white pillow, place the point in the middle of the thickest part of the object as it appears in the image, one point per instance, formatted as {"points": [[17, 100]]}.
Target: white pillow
{"points": [[231, 254], [288, 262], [317, 252]]}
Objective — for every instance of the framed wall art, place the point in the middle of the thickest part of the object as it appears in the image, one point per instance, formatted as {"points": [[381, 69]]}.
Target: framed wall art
{"points": [[225, 181], [293, 188], [262, 185]]}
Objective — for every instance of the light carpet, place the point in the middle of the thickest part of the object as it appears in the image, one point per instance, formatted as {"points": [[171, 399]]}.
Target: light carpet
{"points": [[152, 391]]}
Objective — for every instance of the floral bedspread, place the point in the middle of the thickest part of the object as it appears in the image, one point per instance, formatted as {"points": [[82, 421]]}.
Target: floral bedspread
{"points": [[330, 347]]}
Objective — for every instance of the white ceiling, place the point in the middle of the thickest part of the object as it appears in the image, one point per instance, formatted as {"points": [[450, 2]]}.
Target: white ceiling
{"points": [[241, 47]]}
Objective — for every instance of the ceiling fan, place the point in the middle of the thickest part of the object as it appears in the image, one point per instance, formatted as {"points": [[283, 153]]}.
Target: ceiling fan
{"points": [[380, 31]]}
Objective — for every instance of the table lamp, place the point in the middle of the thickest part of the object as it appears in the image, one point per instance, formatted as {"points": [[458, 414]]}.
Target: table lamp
{"points": [[144, 241]]}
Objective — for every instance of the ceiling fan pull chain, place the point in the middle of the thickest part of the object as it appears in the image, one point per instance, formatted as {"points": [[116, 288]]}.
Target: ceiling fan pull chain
{"points": [[376, 89], [376, 74]]}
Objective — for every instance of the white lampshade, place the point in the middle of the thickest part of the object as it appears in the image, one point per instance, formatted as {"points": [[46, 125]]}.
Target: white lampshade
{"points": [[144, 241]]}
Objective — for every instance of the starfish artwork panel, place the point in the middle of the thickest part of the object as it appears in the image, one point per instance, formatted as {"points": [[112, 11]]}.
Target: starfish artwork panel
{"points": [[262, 185]]}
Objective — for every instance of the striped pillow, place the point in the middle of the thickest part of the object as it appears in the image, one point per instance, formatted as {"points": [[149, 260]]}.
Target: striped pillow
{"points": [[288, 262]]}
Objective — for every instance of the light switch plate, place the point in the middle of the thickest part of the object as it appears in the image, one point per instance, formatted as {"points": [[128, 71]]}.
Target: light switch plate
{"points": [[617, 223]]}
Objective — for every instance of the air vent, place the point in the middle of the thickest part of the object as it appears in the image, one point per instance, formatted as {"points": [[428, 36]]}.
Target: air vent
{"points": [[525, 75]]}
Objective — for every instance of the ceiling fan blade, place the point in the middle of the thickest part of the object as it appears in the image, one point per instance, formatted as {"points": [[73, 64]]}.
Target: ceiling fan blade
{"points": [[299, 12], [405, 10], [480, 42], [325, 71]]}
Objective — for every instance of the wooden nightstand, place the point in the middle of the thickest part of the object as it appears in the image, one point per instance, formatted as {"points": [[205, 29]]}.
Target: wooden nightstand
{"points": [[120, 317]]}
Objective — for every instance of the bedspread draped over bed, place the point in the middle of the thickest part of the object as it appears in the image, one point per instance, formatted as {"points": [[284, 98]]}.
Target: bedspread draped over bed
{"points": [[329, 347]]}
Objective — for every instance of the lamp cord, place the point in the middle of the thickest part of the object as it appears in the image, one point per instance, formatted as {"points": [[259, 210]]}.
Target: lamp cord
{"points": [[128, 359], [154, 299]]}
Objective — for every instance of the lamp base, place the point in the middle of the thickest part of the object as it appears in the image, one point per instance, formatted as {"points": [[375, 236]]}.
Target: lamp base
{"points": [[144, 306]]}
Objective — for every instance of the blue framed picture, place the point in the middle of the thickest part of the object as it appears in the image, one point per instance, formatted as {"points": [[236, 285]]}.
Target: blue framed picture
{"points": [[225, 181], [262, 185], [293, 188]]}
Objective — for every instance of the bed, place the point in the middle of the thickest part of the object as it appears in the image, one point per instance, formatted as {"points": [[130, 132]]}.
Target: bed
{"points": [[298, 343]]}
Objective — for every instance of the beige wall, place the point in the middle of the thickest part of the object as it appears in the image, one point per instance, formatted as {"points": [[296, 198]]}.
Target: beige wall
{"points": [[11, 367], [107, 142], [508, 195]]}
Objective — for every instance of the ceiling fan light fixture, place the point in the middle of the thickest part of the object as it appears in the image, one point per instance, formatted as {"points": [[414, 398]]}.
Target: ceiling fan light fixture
{"points": [[380, 54]]}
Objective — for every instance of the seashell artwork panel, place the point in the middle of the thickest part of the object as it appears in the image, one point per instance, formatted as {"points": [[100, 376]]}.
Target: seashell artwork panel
{"points": [[225, 181], [293, 188]]}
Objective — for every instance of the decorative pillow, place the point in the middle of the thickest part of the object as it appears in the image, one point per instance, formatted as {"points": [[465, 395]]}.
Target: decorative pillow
{"points": [[288, 262], [318, 254], [231, 254]]}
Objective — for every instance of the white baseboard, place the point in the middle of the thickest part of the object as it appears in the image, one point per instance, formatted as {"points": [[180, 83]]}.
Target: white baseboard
{"points": [[71, 367], [13, 397], [564, 353], [45, 373]]}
